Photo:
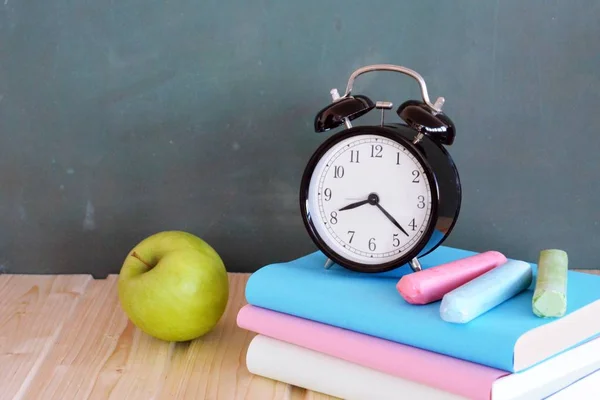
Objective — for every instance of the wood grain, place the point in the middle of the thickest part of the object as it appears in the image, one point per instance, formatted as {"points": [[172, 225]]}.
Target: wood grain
{"points": [[66, 337], [89, 338], [32, 314], [80, 345]]}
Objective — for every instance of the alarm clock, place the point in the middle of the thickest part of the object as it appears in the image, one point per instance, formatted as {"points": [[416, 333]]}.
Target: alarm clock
{"points": [[378, 197]]}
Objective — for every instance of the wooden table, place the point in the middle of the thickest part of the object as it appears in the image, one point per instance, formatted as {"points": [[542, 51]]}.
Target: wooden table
{"points": [[66, 337]]}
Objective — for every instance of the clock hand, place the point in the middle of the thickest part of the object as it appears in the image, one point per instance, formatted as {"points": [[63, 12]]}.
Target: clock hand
{"points": [[387, 214], [372, 199], [354, 205]]}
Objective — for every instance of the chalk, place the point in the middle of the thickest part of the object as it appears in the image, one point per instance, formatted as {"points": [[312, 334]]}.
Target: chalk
{"points": [[550, 294], [431, 284], [485, 292]]}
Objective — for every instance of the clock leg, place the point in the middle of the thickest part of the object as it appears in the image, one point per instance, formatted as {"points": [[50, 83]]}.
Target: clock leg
{"points": [[415, 264], [328, 263]]}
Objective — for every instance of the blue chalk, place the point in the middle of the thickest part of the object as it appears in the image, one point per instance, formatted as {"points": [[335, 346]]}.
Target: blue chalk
{"points": [[485, 292]]}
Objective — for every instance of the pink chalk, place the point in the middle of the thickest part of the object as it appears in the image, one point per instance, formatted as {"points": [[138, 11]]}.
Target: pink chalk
{"points": [[431, 284]]}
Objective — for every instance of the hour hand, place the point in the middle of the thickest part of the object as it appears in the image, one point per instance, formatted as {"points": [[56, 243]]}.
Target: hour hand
{"points": [[354, 205]]}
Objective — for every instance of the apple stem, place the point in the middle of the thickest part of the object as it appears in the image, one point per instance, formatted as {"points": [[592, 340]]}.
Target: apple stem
{"points": [[136, 255]]}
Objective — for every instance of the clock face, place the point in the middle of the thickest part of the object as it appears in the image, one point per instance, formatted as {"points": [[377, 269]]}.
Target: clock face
{"points": [[369, 199]]}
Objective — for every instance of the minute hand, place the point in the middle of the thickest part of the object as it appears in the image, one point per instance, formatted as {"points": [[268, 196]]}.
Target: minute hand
{"points": [[387, 214]]}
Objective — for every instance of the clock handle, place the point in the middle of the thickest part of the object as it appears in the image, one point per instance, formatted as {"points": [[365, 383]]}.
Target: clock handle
{"points": [[437, 107]]}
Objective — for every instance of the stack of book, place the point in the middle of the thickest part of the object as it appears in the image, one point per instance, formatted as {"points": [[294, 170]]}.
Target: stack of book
{"points": [[352, 335]]}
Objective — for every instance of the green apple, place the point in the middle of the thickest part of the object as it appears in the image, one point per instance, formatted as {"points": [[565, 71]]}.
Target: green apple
{"points": [[173, 286]]}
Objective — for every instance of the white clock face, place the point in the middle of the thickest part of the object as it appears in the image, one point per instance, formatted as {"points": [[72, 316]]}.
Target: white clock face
{"points": [[369, 199]]}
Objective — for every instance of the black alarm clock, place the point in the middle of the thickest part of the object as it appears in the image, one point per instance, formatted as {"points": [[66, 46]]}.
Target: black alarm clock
{"points": [[377, 197]]}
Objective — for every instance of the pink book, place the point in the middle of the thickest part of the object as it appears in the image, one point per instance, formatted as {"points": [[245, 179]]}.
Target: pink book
{"points": [[453, 375]]}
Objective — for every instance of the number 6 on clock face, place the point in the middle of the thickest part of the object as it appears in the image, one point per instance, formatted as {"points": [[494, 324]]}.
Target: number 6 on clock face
{"points": [[369, 199]]}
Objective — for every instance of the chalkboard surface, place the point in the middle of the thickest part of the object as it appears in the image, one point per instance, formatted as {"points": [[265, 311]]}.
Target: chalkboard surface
{"points": [[119, 119]]}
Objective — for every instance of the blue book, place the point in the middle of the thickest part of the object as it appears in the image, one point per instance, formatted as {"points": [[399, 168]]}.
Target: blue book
{"points": [[508, 337]]}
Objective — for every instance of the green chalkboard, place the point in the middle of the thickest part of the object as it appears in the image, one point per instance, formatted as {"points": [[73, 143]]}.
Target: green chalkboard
{"points": [[119, 119]]}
